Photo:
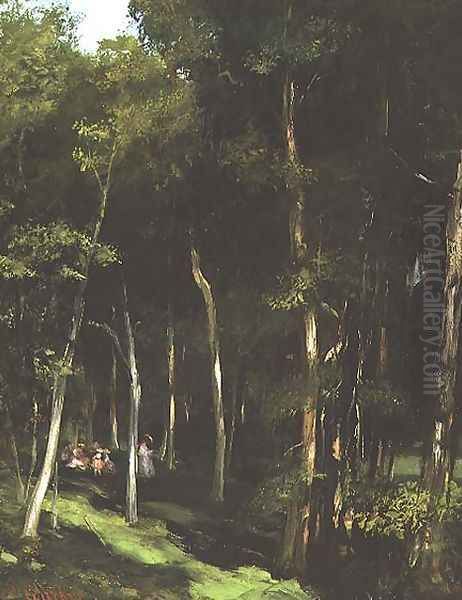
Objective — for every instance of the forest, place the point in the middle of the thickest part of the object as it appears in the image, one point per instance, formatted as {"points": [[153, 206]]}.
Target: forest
{"points": [[230, 302]]}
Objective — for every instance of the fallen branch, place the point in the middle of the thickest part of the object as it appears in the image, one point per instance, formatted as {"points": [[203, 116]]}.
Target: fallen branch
{"points": [[94, 531]]}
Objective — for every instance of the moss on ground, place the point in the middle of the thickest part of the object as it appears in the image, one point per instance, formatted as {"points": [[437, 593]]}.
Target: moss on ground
{"points": [[147, 544], [133, 562]]}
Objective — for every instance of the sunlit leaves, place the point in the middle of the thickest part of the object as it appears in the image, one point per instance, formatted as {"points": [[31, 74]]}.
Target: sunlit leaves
{"points": [[54, 250], [401, 511], [47, 365], [145, 109], [250, 160], [97, 144], [300, 289], [32, 70], [5, 207], [391, 511]]}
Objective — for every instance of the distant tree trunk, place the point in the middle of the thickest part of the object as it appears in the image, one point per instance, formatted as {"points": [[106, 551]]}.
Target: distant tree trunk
{"points": [[90, 409], [163, 443], [381, 458], [391, 463], [171, 393], [217, 493], [54, 504], [34, 507], [373, 458], [75, 433], [235, 388], [114, 425], [438, 467], [20, 490], [113, 422], [34, 445], [131, 512]]}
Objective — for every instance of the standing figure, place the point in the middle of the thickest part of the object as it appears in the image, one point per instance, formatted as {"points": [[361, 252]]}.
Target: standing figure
{"points": [[146, 458], [109, 466], [98, 463]]}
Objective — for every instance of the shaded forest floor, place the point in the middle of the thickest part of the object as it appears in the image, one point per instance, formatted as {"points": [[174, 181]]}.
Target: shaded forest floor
{"points": [[96, 556], [182, 548]]}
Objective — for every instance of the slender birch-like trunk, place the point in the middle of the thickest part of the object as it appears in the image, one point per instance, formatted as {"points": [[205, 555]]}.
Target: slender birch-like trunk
{"points": [[113, 422], [54, 504], [217, 492], [131, 509], [171, 355], [90, 409], [34, 507], [235, 388], [20, 489], [34, 446]]}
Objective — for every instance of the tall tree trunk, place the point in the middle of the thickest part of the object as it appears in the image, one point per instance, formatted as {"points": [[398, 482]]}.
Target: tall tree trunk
{"points": [[34, 507], [90, 408], [217, 492], [20, 490], [54, 504], [171, 393], [391, 463], [438, 466], [113, 422], [163, 443], [34, 445], [235, 388], [131, 509], [341, 451], [295, 539]]}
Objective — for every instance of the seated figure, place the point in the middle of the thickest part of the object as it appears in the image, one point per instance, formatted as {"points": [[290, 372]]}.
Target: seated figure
{"points": [[79, 459]]}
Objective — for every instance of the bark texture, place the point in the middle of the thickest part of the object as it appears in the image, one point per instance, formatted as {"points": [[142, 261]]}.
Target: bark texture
{"points": [[438, 466], [114, 424], [171, 394], [295, 540], [34, 507], [131, 509], [217, 493]]}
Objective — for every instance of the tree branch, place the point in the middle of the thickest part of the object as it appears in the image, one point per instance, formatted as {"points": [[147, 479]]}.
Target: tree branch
{"points": [[416, 174], [115, 338]]}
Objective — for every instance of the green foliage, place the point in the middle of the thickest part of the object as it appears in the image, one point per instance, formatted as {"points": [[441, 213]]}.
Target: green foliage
{"points": [[34, 48], [296, 290], [251, 160], [54, 250], [6, 207], [98, 145], [47, 365], [401, 511], [391, 511], [285, 399], [381, 400]]}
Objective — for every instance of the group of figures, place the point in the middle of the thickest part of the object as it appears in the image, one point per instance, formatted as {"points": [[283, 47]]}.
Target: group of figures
{"points": [[96, 459], [93, 458]]}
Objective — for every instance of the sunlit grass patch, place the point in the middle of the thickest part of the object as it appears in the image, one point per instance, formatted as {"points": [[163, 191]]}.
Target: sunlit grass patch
{"points": [[147, 544]]}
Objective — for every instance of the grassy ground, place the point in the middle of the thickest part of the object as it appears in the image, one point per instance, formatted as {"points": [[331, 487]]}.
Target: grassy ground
{"points": [[407, 466], [99, 557]]}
